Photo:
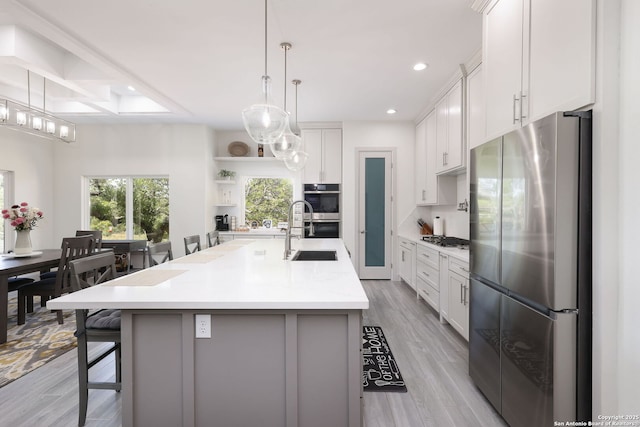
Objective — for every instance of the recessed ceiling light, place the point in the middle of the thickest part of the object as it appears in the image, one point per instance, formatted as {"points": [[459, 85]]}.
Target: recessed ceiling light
{"points": [[420, 66], [131, 88], [391, 111]]}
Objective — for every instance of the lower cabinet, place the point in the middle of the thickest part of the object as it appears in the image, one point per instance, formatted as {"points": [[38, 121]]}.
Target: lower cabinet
{"points": [[428, 276], [458, 284], [442, 280], [407, 261]]}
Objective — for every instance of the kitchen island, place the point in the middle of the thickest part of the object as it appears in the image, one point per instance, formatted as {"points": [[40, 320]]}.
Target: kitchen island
{"points": [[285, 337]]}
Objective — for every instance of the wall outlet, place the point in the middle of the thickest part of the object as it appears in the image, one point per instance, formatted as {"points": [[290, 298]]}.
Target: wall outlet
{"points": [[203, 326]]}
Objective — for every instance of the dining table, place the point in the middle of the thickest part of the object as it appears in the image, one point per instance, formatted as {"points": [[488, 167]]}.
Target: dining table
{"points": [[13, 265], [127, 247]]}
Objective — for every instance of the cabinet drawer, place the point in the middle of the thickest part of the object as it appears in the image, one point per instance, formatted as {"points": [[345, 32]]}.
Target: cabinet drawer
{"points": [[428, 256], [431, 296], [428, 274], [406, 243], [459, 267]]}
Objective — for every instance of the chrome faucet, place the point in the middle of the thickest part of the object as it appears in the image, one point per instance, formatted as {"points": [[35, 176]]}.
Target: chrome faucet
{"points": [[287, 239]]}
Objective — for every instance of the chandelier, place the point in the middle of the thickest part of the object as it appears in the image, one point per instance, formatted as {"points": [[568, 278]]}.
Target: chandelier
{"points": [[28, 119]]}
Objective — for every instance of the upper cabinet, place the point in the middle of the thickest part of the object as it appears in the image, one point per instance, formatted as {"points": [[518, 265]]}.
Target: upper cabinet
{"points": [[324, 164], [431, 189], [449, 143], [475, 109], [538, 57]]}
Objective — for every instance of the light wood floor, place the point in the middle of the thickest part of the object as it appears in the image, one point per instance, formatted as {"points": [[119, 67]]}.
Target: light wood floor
{"points": [[432, 358]]}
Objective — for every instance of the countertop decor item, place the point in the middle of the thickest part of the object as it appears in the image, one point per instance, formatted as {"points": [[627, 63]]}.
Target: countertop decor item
{"points": [[238, 149], [23, 219]]}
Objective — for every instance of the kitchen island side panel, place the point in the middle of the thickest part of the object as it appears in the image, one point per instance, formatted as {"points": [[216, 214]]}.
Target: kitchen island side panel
{"points": [[253, 371]]}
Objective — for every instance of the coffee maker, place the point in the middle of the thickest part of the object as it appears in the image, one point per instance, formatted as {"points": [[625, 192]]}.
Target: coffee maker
{"points": [[222, 222]]}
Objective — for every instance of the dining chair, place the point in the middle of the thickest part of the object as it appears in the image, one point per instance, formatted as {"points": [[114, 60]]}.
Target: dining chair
{"points": [[52, 287], [159, 253], [95, 326], [213, 238], [97, 237], [191, 244]]}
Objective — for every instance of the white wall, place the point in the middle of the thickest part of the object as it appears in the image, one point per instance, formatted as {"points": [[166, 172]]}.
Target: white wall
{"points": [[30, 158], [605, 222], [181, 152], [396, 135], [629, 177]]}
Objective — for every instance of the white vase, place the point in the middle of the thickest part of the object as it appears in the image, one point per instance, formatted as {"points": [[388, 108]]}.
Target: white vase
{"points": [[23, 242]]}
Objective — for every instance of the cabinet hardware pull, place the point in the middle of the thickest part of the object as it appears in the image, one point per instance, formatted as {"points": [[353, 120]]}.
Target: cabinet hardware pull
{"points": [[423, 195], [464, 301], [424, 274], [515, 99], [402, 256], [464, 269], [522, 115], [461, 298]]}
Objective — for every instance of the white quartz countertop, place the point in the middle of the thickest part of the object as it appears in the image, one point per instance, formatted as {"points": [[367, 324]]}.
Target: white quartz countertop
{"points": [[262, 231], [461, 254], [240, 274]]}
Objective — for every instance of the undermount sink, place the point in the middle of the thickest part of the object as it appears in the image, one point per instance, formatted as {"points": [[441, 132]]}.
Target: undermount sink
{"points": [[315, 256]]}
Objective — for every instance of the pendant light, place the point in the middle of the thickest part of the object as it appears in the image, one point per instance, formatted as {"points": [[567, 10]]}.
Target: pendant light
{"points": [[298, 159], [288, 143], [264, 121], [31, 120]]}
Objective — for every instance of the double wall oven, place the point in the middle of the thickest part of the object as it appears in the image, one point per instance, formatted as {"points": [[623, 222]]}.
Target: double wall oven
{"points": [[325, 201]]}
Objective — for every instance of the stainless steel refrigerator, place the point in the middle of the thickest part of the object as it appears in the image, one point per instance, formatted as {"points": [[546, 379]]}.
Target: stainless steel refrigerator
{"points": [[530, 259]]}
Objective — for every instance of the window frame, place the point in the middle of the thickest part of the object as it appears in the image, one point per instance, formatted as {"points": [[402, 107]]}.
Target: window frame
{"points": [[8, 189], [86, 199]]}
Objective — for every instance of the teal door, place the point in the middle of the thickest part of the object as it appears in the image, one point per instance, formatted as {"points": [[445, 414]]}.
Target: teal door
{"points": [[374, 219]]}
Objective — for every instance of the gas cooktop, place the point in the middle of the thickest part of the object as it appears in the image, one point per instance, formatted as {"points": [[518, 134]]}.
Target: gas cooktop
{"points": [[447, 241]]}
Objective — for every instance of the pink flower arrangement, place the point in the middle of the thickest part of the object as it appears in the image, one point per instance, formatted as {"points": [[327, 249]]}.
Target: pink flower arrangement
{"points": [[22, 216]]}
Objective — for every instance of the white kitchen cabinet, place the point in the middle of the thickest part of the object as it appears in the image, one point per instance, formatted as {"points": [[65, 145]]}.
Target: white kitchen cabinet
{"points": [[420, 157], [431, 189], [428, 276], [538, 57], [449, 143], [324, 147], [475, 108], [444, 288], [407, 250], [458, 284]]}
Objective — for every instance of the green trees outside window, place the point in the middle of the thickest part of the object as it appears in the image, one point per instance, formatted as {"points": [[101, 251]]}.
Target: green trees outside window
{"points": [[267, 198], [145, 217]]}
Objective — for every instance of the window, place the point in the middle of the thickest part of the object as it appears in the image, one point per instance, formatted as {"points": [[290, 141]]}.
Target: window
{"points": [[267, 198], [130, 208], [6, 196]]}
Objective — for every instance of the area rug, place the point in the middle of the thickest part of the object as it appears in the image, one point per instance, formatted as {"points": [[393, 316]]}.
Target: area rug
{"points": [[380, 371], [33, 344]]}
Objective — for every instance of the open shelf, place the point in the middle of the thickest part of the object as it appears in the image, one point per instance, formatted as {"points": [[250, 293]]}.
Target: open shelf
{"points": [[247, 159]]}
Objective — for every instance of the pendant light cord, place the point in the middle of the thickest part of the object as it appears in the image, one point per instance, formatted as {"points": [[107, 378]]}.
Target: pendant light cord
{"points": [[285, 78], [29, 88], [265, 38]]}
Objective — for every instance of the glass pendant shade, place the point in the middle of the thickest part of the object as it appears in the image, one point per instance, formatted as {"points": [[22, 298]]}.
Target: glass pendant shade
{"points": [[265, 122], [286, 145], [297, 161]]}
